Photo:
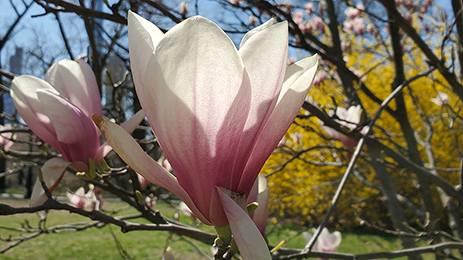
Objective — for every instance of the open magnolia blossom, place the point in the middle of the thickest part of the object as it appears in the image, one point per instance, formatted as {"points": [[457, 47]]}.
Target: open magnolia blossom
{"points": [[58, 110], [217, 112], [349, 118], [326, 242]]}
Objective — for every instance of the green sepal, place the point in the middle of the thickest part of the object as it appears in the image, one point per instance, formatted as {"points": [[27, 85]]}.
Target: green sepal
{"points": [[252, 206], [224, 235]]}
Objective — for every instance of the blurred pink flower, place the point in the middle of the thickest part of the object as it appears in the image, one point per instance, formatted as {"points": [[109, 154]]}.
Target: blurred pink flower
{"points": [[150, 201], [353, 12], [318, 24], [359, 26], [252, 20], [440, 99], [296, 137], [348, 118], [185, 210], [326, 242], [236, 2], [320, 77], [6, 138], [183, 7], [298, 18], [78, 198], [92, 199], [345, 45], [142, 181], [348, 26], [309, 8], [286, 7], [222, 118]]}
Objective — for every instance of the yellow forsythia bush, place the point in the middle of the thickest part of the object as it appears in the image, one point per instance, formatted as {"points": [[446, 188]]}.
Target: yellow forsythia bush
{"points": [[304, 173]]}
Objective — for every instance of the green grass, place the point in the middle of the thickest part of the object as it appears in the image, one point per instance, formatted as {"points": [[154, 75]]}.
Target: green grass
{"points": [[99, 243]]}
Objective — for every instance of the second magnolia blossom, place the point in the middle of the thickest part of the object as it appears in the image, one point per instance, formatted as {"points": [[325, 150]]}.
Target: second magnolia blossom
{"points": [[58, 110], [218, 113]]}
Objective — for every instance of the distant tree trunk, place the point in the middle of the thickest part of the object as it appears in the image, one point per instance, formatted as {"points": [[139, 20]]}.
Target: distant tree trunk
{"points": [[393, 204], [2, 158]]}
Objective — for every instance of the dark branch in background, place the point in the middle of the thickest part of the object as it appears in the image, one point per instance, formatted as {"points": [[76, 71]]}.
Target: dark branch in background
{"points": [[163, 9], [64, 6], [7, 74], [94, 57], [380, 255], [124, 225], [7, 35], [63, 35]]}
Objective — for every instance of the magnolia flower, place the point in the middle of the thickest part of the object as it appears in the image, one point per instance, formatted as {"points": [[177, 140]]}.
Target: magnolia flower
{"points": [[349, 118], [326, 242], [78, 198], [217, 113], [348, 26], [185, 210], [5, 138], [358, 25], [92, 199], [320, 77], [236, 2], [58, 110], [345, 45], [296, 137], [352, 12], [318, 24], [150, 201], [309, 8], [183, 7], [252, 20], [142, 181], [440, 99], [298, 17]]}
